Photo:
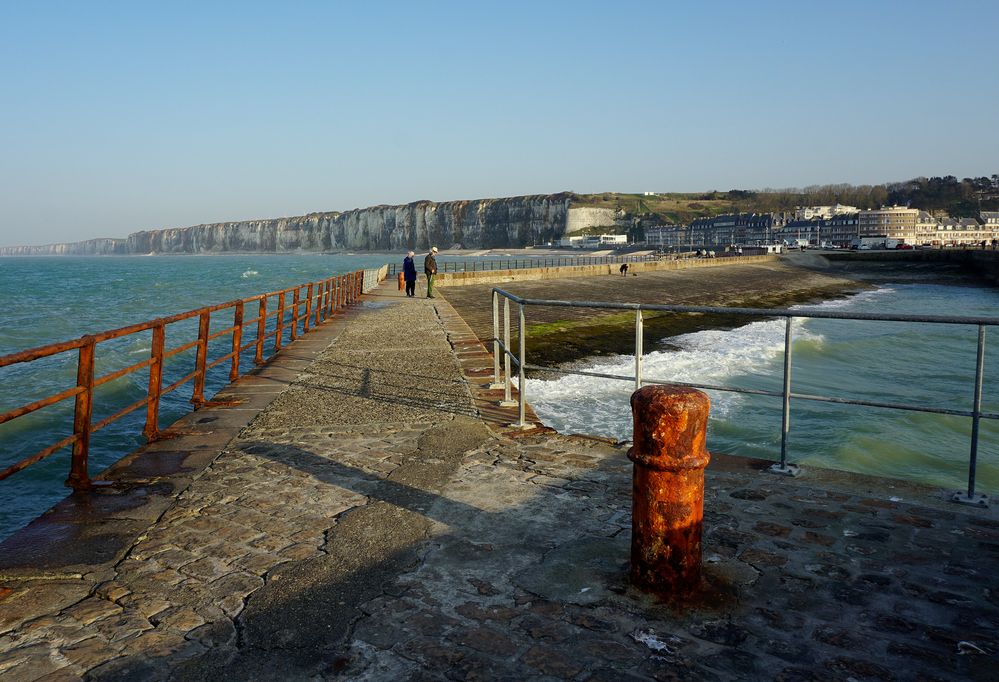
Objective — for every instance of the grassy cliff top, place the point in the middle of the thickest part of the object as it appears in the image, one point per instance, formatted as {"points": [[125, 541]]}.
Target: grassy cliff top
{"points": [[674, 207]]}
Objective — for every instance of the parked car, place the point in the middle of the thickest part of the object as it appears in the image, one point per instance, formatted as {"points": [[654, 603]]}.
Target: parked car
{"points": [[903, 247]]}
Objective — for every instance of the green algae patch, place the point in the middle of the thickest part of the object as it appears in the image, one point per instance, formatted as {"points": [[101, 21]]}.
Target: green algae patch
{"points": [[557, 342]]}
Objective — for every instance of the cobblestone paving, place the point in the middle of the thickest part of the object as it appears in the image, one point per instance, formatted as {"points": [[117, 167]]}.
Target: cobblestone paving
{"points": [[356, 530], [530, 580]]}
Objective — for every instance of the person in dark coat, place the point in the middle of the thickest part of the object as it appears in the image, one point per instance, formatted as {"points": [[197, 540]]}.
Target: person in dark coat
{"points": [[430, 269], [409, 274]]}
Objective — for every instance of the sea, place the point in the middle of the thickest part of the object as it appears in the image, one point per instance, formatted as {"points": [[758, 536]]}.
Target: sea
{"points": [[53, 299]]}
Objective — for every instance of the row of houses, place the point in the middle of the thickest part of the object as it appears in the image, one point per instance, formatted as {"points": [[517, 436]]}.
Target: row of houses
{"points": [[828, 225]]}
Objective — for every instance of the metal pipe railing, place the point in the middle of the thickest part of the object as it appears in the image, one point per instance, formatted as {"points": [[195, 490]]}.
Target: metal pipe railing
{"points": [[526, 263], [348, 287], [970, 496]]}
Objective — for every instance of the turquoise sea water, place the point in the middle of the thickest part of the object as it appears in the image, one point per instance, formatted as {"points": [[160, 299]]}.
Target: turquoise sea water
{"points": [[929, 365], [52, 299], [49, 300]]}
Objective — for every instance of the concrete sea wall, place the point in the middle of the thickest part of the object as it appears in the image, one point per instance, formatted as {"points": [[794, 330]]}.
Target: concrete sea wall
{"points": [[457, 279], [983, 262], [582, 217]]}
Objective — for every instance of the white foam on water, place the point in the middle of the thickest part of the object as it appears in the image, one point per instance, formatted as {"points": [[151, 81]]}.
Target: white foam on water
{"points": [[250, 273], [593, 405]]}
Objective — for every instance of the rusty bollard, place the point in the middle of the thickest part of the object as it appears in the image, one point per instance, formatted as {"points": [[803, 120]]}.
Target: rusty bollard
{"points": [[668, 487], [402, 282]]}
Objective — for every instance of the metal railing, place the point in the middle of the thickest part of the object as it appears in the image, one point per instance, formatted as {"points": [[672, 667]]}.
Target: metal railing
{"points": [[311, 305], [527, 263], [501, 379]]}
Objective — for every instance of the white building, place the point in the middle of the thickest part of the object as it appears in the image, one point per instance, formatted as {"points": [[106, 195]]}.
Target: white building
{"points": [[823, 212], [594, 241]]}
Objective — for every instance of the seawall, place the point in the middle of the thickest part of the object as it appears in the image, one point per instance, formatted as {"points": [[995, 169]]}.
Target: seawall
{"points": [[983, 262], [457, 279]]}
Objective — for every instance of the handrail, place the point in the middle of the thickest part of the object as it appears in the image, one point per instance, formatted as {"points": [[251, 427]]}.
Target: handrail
{"points": [[502, 378], [486, 265], [286, 317]]}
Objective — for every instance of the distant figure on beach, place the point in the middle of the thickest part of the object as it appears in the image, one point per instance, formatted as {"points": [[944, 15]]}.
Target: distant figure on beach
{"points": [[409, 274], [624, 269], [430, 269]]}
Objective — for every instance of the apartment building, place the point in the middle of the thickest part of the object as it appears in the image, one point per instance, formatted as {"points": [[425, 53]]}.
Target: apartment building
{"points": [[738, 228], [891, 222], [964, 232], [665, 236]]}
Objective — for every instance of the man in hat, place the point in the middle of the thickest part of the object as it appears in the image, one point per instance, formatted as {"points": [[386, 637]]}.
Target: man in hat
{"points": [[430, 268]]}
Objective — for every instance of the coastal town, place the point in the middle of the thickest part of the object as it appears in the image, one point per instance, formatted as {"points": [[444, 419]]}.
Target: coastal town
{"points": [[834, 226]]}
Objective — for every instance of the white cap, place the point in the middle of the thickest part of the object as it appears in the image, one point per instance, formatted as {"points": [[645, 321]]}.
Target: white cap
{"points": [[434, 249]]}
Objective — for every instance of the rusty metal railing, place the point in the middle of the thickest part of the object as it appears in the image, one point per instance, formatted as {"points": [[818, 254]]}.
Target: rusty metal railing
{"points": [[502, 376], [310, 305]]}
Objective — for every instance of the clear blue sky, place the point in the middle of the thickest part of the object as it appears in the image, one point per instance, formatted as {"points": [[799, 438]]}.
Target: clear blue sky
{"points": [[121, 116]]}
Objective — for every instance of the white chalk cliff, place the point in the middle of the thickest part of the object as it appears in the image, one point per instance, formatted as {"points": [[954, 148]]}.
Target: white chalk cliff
{"points": [[482, 223]]}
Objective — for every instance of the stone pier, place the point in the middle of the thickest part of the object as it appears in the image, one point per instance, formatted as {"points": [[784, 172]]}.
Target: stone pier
{"points": [[364, 513]]}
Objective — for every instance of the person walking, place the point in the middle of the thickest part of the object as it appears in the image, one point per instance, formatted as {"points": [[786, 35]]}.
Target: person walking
{"points": [[624, 269], [430, 269], [409, 274]]}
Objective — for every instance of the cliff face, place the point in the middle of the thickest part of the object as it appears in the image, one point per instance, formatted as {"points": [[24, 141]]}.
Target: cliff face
{"points": [[483, 223]]}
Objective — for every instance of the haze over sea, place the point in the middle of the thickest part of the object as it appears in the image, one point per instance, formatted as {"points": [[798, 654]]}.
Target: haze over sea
{"points": [[48, 300]]}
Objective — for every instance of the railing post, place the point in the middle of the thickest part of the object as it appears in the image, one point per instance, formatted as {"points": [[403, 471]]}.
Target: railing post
{"points": [[308, 309], [237, 340], [295, 302], [152, 427], [783, 467], [279, 323], [198, 394], [320, 300], [78, 478], [507, 362], [972, 498], [521, 382], [261, 330], [496, 343], [639, 348]]}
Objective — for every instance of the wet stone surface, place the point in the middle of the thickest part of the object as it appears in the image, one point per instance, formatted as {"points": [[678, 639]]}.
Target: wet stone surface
{"points": [[368, 526]]}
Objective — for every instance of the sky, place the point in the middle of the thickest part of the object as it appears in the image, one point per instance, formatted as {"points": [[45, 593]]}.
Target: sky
{"points": [[123, 116]]}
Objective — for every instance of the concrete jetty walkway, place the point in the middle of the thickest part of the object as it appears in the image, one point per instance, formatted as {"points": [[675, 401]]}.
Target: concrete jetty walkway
{"points": [[371, 519]]}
